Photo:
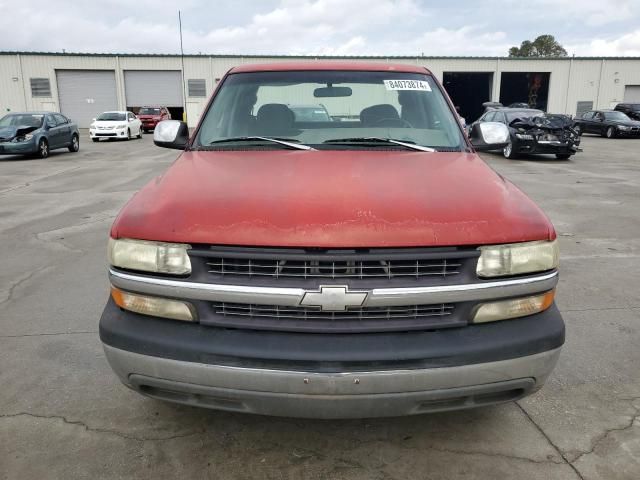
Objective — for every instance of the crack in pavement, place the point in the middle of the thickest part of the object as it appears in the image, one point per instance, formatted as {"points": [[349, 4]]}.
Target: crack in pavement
{"points": [[25, 278], [556, 448], [31, 182], [603, 436], [87, 428]]}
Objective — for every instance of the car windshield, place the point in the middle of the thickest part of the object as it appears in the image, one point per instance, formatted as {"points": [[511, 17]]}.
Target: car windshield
{"points": [[21, 120], [348, 109], [619, 116], [112, 117], [149, 111], [511, 116]]}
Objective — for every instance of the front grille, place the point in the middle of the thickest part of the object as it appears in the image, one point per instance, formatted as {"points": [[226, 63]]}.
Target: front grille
{"points": [[333, 269], [353, 320], [310, 313]]}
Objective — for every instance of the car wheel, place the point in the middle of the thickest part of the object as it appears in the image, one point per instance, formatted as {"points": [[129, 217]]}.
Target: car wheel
{"points": [[43, 148], [95, 139], [562, 156], [128, 134], [139, 133], [610, 132], [507, 151], [75, 144], [578, 130]]}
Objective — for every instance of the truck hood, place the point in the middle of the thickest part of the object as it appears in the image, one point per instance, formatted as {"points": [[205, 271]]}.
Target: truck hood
{"points": [[331, 199], [9, 133]]}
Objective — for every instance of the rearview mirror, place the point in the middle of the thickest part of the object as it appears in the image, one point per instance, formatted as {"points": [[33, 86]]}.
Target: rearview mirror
{"points": [[171, 134], [326, 92], [489, 136]]}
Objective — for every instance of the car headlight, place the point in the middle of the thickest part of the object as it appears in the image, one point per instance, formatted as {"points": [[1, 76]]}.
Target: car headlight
{"points": [[524, 136], [121, 126], [517, 258], [623, 127], [149, 256], [24, 138]]}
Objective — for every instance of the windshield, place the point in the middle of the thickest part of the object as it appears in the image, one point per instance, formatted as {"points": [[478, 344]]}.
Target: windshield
{"points": [[522, 114], [112, 117], [619, 116], [340, 107], [149, 111], [21, 120]]}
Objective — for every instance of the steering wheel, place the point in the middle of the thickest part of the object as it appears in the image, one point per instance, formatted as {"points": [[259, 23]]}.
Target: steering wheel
{"points": [[392, 122]]}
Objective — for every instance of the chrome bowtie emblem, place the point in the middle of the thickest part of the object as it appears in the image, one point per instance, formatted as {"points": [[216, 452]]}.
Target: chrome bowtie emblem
{"points": [[334, 298]]}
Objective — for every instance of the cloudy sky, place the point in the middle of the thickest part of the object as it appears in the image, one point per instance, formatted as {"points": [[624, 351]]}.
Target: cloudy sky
{"points": [[320, 27]]}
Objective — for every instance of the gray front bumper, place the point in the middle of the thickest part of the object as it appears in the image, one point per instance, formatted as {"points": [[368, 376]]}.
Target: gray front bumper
{"points": [[332, 395]]}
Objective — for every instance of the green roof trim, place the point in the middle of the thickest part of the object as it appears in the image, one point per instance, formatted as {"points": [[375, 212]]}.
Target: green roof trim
{"points": [[312, 57]]}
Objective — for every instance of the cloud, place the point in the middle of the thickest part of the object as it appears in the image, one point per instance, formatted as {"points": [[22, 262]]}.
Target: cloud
{"points": [[625, 45]]}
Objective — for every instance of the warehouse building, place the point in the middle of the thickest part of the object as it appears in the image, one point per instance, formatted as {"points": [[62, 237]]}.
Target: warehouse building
{"points": [[83, 85]]}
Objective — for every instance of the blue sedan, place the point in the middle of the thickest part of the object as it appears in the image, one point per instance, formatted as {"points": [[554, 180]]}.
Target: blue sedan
{"points": [[37, 133]]}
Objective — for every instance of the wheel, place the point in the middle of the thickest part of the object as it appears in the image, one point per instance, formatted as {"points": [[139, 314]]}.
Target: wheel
{"points": [[128, 134], [610, 132], [145, 130], [75, 144], [508, 152], [562, 156], [139, 133], [578, 130], [95, 139], [43, 148]]}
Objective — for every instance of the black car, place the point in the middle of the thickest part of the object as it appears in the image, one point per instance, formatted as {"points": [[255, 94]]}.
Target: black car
{"points": [[535, 132], [607, 123], [631, 110]]}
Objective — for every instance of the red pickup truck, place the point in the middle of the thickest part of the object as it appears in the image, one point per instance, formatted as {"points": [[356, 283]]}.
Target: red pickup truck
{"points": [[151, 116], [367, 265]]}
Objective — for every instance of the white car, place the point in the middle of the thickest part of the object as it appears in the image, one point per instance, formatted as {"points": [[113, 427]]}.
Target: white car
{"points": [[115, 125]]}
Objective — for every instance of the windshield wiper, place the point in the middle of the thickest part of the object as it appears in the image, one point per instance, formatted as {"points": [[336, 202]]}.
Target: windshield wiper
{"points": [[287, 142], [406, 144]]}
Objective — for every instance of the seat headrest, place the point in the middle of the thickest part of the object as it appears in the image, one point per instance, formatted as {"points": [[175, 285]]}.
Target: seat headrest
{"points": [[274, 118], [372, 115]]}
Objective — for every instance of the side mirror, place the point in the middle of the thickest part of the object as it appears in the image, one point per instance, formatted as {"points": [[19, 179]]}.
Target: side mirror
{"points": [[489, 136], [93, 119], [171, 134]]}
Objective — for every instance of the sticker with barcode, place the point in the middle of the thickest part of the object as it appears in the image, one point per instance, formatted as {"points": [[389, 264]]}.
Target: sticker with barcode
{"points": [[419, 85]]}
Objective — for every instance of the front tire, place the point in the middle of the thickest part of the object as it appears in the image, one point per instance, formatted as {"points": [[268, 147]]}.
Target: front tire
{"points": [[95, 139], [563, 156], [43, 148], [508, 152], [128, 134], [75, 144], [139, 133], [610, 132]]}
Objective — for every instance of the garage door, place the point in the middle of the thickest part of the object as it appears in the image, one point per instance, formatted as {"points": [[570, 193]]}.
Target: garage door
{"points": [[632, 93], [84, 94], [153, 87]]}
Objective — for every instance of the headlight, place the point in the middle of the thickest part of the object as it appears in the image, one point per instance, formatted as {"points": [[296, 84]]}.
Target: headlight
{"points": [[24, 138], [150, 256], [517, 258], [524, 136], [513, 308], [623, 127], [154, 306], [124, 125]]}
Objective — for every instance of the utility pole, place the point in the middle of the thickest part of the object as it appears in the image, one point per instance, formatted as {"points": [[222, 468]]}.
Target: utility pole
{"points": [[184, 82]]}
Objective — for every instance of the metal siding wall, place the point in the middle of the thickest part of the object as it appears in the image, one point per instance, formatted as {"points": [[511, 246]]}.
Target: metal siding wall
{"points": [[153, 87], [12, 96], [583, 83], [632, 93], [84, 94]]}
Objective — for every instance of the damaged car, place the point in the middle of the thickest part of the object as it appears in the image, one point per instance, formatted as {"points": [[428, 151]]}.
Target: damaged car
{"points": [[37, 133], [535, 132]]}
